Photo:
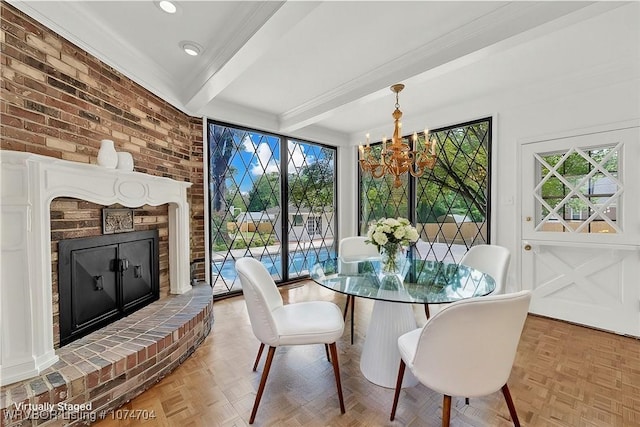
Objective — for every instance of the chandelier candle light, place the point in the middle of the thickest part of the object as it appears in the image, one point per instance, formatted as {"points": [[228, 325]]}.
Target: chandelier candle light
{"points": [[399, 157]]}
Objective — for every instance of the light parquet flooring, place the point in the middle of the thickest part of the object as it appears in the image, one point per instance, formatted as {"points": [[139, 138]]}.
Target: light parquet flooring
{"points": [[564, 375]]}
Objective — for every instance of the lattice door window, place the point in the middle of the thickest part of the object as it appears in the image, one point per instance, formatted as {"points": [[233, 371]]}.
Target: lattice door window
{"points": [[579, 191]]}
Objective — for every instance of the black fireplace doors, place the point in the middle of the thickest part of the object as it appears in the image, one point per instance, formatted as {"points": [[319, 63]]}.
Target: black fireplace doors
{"points": [[104, 278]]}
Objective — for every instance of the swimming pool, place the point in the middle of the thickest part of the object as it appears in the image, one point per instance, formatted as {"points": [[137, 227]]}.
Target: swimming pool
{"points": [[299, 263]]}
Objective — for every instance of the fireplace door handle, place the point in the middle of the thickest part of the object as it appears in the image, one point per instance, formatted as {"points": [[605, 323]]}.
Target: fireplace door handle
{"points": [[137, 271], [123, 265], [97, 281]]}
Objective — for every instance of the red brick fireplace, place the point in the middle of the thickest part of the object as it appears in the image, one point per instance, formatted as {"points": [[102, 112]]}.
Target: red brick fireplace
{"points": [[29, 183], [58, 103], [113, 364]]}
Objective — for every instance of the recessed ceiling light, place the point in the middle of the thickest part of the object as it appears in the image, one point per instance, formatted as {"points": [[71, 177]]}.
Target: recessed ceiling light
{"points": [[191, 48], [167, 6]]}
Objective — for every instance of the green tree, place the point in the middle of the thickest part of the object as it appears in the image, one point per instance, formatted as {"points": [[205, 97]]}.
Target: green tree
{"points": [[265, 193], [458, 182], [236, 199], [221, 148], [381, 198], [313, 187], [573, 168]]}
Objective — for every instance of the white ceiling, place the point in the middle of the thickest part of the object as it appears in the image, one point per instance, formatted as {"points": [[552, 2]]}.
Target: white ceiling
{"points": [[318, 70]]}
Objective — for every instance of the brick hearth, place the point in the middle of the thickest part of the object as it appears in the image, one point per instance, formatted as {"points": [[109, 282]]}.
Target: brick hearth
{"points": [[113, 365]]}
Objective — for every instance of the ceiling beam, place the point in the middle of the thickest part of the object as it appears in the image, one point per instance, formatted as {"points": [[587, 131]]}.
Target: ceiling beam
{"points": [[457, 45], [259, 44]]}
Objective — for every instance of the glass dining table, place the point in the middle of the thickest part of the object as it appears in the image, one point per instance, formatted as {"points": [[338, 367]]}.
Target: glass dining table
{"points": [[418, 282]]}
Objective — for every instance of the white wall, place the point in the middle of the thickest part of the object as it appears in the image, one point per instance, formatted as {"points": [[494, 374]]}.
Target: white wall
{"points": [[585, 75], [347, 192]]}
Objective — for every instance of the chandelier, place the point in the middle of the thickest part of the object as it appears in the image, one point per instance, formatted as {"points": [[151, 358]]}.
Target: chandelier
{"points": [[399, 157]]}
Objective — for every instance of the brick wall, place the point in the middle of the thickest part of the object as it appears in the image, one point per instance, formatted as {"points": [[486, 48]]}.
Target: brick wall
{"points": [[59, 101], [73, 218]]}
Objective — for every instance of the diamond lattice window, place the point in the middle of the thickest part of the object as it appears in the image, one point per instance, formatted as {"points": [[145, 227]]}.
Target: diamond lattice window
{"points": [[449, 204], [578, 191], [311, 193], [250, 216]]}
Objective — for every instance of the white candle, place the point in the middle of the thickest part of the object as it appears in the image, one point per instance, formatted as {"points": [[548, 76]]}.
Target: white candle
{"points": [[415, 141]]}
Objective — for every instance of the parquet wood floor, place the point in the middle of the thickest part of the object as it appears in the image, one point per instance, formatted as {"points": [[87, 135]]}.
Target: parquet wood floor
{"points": [[564, 375]]}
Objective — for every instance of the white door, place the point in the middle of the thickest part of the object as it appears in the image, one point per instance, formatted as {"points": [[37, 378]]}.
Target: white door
{"points": [[580, 248]]}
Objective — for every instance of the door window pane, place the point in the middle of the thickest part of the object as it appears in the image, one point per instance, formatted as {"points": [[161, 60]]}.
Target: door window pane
{"points": [[578, 191]]}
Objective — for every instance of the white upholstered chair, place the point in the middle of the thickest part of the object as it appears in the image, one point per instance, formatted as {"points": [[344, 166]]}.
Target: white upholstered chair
{"points": [[276, 324], [490, 259], [352, 250], [466, 349]]}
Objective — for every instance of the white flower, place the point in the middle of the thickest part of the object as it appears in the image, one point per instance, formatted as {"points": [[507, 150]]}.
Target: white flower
{"points": [[392, 222], [380, 238], [392, 233], [399, 233], [412, 235]]}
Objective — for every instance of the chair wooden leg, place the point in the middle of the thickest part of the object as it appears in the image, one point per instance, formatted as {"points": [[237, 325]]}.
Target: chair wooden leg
{"points": [[326, 350], [446, 411], [426, 310], [255, 365], [263, 381], [510, 405], [466, 401], [336, 371], [398, 387]]}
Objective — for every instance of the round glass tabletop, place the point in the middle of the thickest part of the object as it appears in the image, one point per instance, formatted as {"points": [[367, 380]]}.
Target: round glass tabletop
{"points": [[419, 281]]}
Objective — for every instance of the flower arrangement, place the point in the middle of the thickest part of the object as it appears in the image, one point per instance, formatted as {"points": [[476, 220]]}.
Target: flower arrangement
{"points": [[390, 235]]}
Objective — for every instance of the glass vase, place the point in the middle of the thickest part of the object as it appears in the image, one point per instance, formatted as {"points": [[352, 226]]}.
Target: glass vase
{"points": [[391, 261], [392, 268]]}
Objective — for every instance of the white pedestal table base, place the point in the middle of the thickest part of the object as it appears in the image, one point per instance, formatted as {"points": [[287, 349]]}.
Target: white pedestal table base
{"points": [[380, 358]]}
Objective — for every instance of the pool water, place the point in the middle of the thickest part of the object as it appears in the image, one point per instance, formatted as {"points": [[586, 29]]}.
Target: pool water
{"points": [[299, 263]]}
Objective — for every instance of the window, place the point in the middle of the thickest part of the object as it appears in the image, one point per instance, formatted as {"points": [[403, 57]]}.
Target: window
{"points": [[578, 190], [261, 188], [450, 204], [314, 225]]}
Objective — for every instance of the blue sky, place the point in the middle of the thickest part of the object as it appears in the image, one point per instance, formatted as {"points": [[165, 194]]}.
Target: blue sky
{"points": [[262, 154]]}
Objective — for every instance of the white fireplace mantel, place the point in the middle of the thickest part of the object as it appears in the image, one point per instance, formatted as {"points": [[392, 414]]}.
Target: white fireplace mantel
{"points": [[29, 182]]}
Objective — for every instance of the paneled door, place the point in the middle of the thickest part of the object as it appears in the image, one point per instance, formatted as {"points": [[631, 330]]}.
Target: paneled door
{"points": [[580, 249]]}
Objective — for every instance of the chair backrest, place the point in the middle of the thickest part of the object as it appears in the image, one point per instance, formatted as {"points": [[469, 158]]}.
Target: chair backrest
{"points": [[355, 248], [468, 347], [262, 298], [490, 259]]}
